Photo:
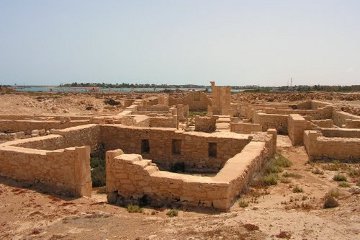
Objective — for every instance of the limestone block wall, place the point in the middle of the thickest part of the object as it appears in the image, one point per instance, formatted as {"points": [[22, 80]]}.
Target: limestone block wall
{"points": [[341, 117], [319, 147], [326, 123], [64, 170], [349, 123], [205, 124], [194, 150], [133, 179], [221, 99], [245, 128], [296, 127], [162, 121], [197, 101], [29, 125], [340, 132], [277, 121]]}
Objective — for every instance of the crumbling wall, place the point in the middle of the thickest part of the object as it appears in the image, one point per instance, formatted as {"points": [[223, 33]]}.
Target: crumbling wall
{"points": [[340, 132], [196, 100]]}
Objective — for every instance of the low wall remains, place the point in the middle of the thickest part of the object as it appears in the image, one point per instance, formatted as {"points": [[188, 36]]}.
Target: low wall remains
{"points": [[267, 121], [131, 179], [340, 118], [29, 125], [63, 170], [245, 128], [165, 146], [319, 147]]}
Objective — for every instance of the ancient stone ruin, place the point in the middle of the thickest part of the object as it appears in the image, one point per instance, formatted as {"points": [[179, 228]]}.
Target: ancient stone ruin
{"points": [[192, 149]]}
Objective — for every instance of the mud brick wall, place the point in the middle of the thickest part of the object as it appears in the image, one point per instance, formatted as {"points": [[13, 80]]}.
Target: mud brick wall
{"points": [[194, 145], [64, 170], [245, 128], [325, 148]]}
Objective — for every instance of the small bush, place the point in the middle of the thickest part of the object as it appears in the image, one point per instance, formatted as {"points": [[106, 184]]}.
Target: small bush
{"points": [[273, 169], [354, 172], [282, 161], [131, 208], [330, 202], [291, 175], [333, 193], [285, 180], [172, 213], [270, 179], [297, 189], [317, 171], [339, 178], [243, 204], [344, 184]]}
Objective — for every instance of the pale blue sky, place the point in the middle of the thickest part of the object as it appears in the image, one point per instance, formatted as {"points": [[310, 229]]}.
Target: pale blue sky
{"points": [[178, 42]]}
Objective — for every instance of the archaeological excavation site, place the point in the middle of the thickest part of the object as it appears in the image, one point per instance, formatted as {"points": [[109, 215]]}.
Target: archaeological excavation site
{"points": [[192, 151]]}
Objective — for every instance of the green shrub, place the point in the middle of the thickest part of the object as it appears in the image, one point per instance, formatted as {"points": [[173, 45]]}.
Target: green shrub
{"points": [[339, 178], [333, 193], [270, 179], [291, 175], [282, 161], [297, 189], [172, 213], [317, 171], [131, 208], [344, 184], [243, 204]]}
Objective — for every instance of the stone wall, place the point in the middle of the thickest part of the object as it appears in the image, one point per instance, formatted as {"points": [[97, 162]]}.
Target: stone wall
{"points": [[340, 118], [131, 179], [296, 127], [205, 124], [340, 132], [277, 121], [197, 101], [194, 150], [162, 121], [221, 99], [245, 128], [349, 123], [29, 125], [63, 170], [319, 147]]}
